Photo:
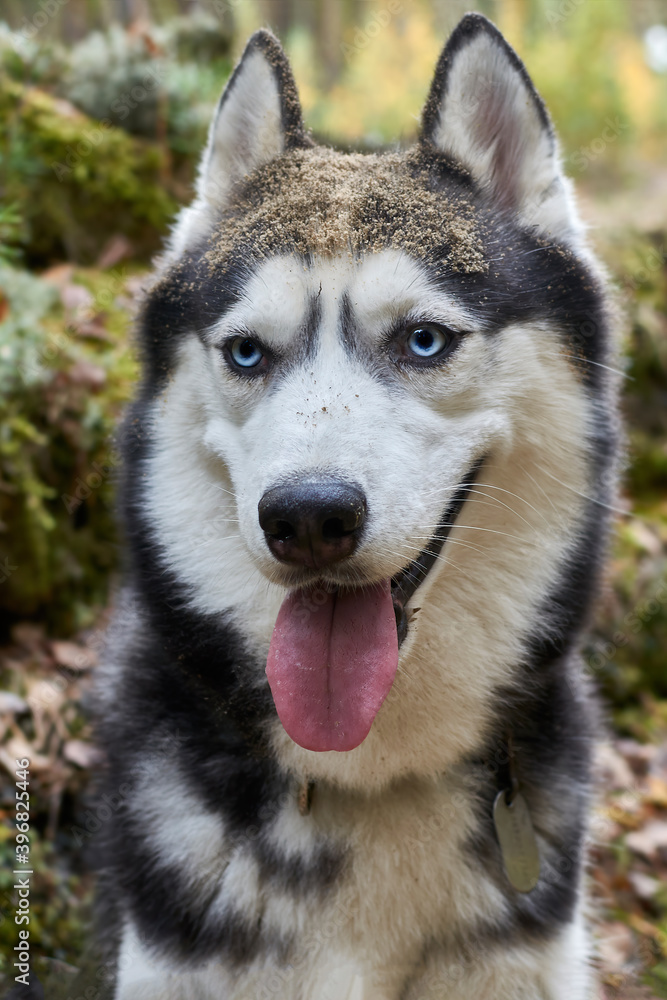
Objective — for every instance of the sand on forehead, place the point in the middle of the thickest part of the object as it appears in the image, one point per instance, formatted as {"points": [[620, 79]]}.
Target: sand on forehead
{"points": [[319, 201]]}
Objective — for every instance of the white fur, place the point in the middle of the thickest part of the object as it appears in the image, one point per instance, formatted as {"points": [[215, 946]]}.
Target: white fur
{"points": [[183, 832], [489, 122]]}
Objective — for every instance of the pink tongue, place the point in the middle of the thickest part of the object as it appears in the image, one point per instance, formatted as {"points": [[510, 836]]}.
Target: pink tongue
{"points": [[332, 661]]}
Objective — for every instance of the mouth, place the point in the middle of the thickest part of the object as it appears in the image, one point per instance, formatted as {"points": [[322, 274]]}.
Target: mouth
{"points": [[333, 654]]}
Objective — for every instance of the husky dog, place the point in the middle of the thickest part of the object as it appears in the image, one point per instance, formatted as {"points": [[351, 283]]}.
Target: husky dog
{"points": [[365, 485]]}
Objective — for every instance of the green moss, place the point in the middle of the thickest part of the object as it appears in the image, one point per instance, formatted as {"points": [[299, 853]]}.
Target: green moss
{"points": [[61, 396], [78, 180], [627, 649]]}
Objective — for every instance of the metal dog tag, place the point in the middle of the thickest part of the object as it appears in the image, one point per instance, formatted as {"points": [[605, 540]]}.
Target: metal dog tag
{"points": [[517, 841]]}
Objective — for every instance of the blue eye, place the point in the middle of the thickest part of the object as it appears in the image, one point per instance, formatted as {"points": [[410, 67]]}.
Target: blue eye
{"points": [[245, 353], [428, 340]]}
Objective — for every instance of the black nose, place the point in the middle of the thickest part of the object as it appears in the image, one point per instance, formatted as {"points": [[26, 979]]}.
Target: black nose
{"points": [[315, 523]]}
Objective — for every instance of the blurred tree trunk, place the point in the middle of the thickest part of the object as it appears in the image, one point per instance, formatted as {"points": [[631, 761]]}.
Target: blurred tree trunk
{"points": [[278, 15], [329, 34], [324, 20]]}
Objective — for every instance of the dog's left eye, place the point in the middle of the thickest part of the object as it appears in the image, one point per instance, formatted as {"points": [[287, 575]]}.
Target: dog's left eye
{"points": [[428, 340], [245, 353]]}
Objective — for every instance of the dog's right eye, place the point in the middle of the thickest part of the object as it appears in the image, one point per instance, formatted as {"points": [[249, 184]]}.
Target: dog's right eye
{"points": [[427, 343], [245, 354]]}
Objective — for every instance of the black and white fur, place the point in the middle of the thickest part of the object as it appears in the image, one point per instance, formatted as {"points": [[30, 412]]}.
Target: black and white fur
{"points": [[392, 886]]}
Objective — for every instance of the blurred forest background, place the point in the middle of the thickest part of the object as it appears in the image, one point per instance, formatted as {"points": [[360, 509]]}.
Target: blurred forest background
{"points": [[104, 106]]}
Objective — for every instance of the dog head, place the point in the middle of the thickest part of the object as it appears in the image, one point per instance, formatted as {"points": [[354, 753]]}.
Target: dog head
{"points": [[343, 354]]}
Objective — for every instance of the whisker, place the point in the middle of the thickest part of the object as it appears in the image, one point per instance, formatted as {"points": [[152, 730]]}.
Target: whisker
{"points": [[502, 504], [439, 558], [474, 527], [600, 503], [202, 543], [222, 489], [490, 486], [598, 364], [527, 253], [540, 488], [447, 540]]}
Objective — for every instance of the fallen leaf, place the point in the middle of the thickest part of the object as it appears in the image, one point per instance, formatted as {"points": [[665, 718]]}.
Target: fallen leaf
{"points": [[73, 655], [649, 930], [656, 791], [58, 275], [93, 329], [12, 704], [117, 248], [645, 886], [86, 373], [75, 296], [85, 755], [18, 748], [628, 820], [638, 755], [615, 945], [649, 841], [28, 635], [614, 771], [46, 696]]}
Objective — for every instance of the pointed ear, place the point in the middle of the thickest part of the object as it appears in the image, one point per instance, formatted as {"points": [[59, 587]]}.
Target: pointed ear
{"points": [[484, 113], [257, 119]]}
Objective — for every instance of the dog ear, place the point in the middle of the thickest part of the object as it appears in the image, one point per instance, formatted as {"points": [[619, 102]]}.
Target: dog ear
{"points": [[257, 119], [484, 113]]}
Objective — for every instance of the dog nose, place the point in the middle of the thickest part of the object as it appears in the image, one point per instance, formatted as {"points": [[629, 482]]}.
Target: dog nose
{"points": [[315, 524]]}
